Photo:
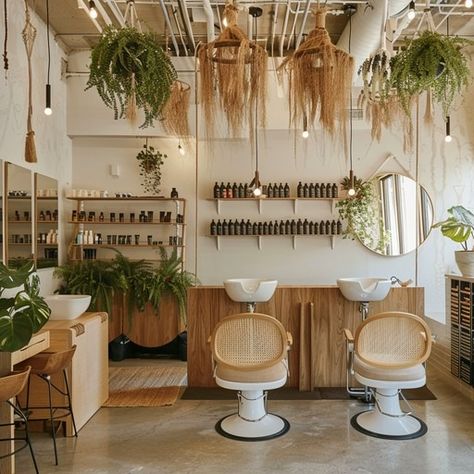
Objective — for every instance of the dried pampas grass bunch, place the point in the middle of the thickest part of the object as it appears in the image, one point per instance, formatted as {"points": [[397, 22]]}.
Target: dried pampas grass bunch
{"points": [[175, 113], [320, 78], [233, 77]]}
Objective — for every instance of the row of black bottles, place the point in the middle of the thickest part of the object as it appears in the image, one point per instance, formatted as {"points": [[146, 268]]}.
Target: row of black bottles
{"points": [[242, 190], [317, 190], [293, 227]]}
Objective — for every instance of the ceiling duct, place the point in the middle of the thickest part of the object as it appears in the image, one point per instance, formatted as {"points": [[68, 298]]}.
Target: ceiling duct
{"points": [[367, 27]]}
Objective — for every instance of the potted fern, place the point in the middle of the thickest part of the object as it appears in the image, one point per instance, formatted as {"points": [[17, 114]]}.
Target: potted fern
{"points": [[150, 162], [130, 70], [431, 62], [459, 227]]}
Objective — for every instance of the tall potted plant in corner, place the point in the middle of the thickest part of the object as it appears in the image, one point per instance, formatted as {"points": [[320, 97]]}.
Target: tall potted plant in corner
{"points": [[22, 313], [459, 227]]}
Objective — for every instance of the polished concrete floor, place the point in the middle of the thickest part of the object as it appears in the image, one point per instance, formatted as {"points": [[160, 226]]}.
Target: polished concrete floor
{"points": [[181, 439]]}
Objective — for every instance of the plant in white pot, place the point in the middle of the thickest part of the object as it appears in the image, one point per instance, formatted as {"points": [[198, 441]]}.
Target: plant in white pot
{"points": [[459, 227]]}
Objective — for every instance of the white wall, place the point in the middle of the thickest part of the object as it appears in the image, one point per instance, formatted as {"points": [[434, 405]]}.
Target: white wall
{"points": [[446, 171], [53, 147]]}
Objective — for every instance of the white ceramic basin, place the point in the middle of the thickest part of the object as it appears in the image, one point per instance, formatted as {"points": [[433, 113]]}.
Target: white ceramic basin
{"points": [[250, 290], [67, 306], [364, 289]]}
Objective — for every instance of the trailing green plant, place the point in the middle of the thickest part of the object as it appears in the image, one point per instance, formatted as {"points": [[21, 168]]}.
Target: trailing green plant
{"points": [[459, 226], [361, 215], [150, 161], [130, 70], [23, 314], [96, 278], [171, 279], [431, 62]]}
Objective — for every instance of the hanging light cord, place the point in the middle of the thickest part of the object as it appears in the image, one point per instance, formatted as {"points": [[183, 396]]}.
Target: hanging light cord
{"points": [[350, 95], [5, 57], [47, 33], [256, 105]]}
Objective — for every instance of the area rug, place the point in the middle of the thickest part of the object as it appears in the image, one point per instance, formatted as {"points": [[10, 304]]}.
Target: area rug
{"points": [[145, 386], [323, 393]]}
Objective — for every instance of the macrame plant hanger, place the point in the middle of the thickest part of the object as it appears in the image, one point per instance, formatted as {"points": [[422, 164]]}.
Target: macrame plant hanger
{"points": [[131, 19], [29, 36]]}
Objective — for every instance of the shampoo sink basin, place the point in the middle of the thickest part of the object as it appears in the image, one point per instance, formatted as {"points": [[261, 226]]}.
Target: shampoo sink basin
{"points": [[364, 289], [250, 290], [67, 306]]}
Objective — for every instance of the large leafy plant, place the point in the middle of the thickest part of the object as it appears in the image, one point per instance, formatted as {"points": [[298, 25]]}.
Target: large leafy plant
{"points": [[459, 226], [361, 215], [96, 278], [23, 314], [431, 62], [130, 70]]}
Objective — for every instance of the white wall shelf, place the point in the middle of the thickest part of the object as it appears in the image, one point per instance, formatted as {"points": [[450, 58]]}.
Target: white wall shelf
{"points": [[294, 238], [260, 201]]}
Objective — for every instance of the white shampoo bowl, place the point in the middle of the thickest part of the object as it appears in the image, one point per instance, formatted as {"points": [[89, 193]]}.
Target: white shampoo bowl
{"points": [[364, 289], [67, 306], [250, 290]]}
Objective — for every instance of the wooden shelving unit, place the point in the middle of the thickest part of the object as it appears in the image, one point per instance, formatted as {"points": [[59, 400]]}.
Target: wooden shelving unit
{"points": [[76, 250], [461, 314], [260, 201]]}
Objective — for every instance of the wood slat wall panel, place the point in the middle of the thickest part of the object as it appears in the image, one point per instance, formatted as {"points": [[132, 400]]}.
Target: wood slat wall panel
{"points": [[332, 313]]}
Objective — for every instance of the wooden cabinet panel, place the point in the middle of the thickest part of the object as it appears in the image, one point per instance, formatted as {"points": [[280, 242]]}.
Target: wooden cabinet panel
{"points": [[321, 355]]}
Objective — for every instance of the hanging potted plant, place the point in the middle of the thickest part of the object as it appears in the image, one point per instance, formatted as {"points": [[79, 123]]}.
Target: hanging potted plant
{"points": [[433, 63], [130, 70], [459, 227], [150, 161]]}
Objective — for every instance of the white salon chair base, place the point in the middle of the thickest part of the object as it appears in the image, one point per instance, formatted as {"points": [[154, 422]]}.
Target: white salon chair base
{"points": [[252, 422], [387, 419]]}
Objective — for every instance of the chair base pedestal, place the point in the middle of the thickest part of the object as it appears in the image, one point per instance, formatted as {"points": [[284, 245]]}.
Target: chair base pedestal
{"points": [[269, 427], [373, 423]]}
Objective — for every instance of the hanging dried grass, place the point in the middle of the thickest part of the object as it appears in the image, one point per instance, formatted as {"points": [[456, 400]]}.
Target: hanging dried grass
{"points": [[320, 78], [175, 113], [236, 69]]}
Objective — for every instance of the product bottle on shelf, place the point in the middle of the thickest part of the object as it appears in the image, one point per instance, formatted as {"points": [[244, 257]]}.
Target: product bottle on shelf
{"points": [[299, 190], [260, 229], [254, 228], [311, 191], [101, 217], [246, 190], [222, 191], [305, 227], [219, 227], [322, 228], [174, 193], [228, 190], [293, 227], [328, 228], [317, 191], [333, 227], [235, 190], [335, 191], [217, 191], [305, 190], [236, 227], [241, 191], [322, 190], [281, 191], [265, 228], [270, 228], [270, 192], [225, 228], [311, 228], [316, 228], [281, 230], [243, 228], [286, 190], [299, 227], [328, 190], [287, 227], [213, 228], [338, 227], [276, 228], [248, 226]]}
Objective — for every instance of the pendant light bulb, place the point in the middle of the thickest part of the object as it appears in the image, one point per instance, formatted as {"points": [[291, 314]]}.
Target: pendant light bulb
{"points": [[351, 191], [225, 23], [468, 3], [257, 192], [92, 10], [48, 110], [305, 134], [411, 10], [448, 138], [181, 150]]}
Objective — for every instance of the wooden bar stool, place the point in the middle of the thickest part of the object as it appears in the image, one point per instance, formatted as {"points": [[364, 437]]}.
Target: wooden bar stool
{"points": [[44, 365], [10, 386]]}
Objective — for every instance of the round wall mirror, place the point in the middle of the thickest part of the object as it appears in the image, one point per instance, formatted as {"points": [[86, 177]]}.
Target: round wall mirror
{"points": [[404, 216]]}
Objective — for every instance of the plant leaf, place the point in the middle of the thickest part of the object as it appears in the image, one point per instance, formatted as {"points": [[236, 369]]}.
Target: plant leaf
{"points": [[15, 330]]}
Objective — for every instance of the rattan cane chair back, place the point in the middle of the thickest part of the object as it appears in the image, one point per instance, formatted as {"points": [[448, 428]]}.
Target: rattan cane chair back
{"points": [[393, 340], [11, 385], [249, 341]]}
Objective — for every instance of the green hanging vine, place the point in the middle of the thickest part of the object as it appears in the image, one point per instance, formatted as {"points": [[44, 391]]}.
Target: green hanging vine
{"points": [[130, 70]]}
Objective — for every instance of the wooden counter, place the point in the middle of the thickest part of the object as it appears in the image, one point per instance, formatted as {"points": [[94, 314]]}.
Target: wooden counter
{"points": [[315, 316], [88, 374]]}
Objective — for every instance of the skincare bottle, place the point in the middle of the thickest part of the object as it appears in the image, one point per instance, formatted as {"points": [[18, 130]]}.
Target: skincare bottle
{"points": [[311, 228], [270, 228], [222, 191], [121, 217], [299, 227], [219, 227], [311, 190], [299, 190], [132, 217], [254, 228], [217, 193], [213, 228], [241, 191], [276, 228], [328, 228], [287, 190], [225, 228], [305, 227], [281, 191], [101, 217], [270, 193], [236, 227], [316, 228], [228, 189], [317, 191], [287, 227], [328, 190], [260, 229], [74, 216], [243, 227], [322, 190], [322, 228], [293, 227], [335, 191], [338, 227], [281, 229], [246, 190], [235, 190], [231, 227], [305, 190], [265, 228], [137, 239], [112, 217], [333, 227], [174, 193]]}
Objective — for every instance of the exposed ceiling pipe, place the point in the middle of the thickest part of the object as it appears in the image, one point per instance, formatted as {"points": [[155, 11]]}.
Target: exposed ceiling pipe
{"points": [[180, 31], [117, 13], [283, 30], [168, 25], [183, 10], [303, 24], [273, 27], [367, 24], [103, 13], [210, 20], [293, 27]]}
